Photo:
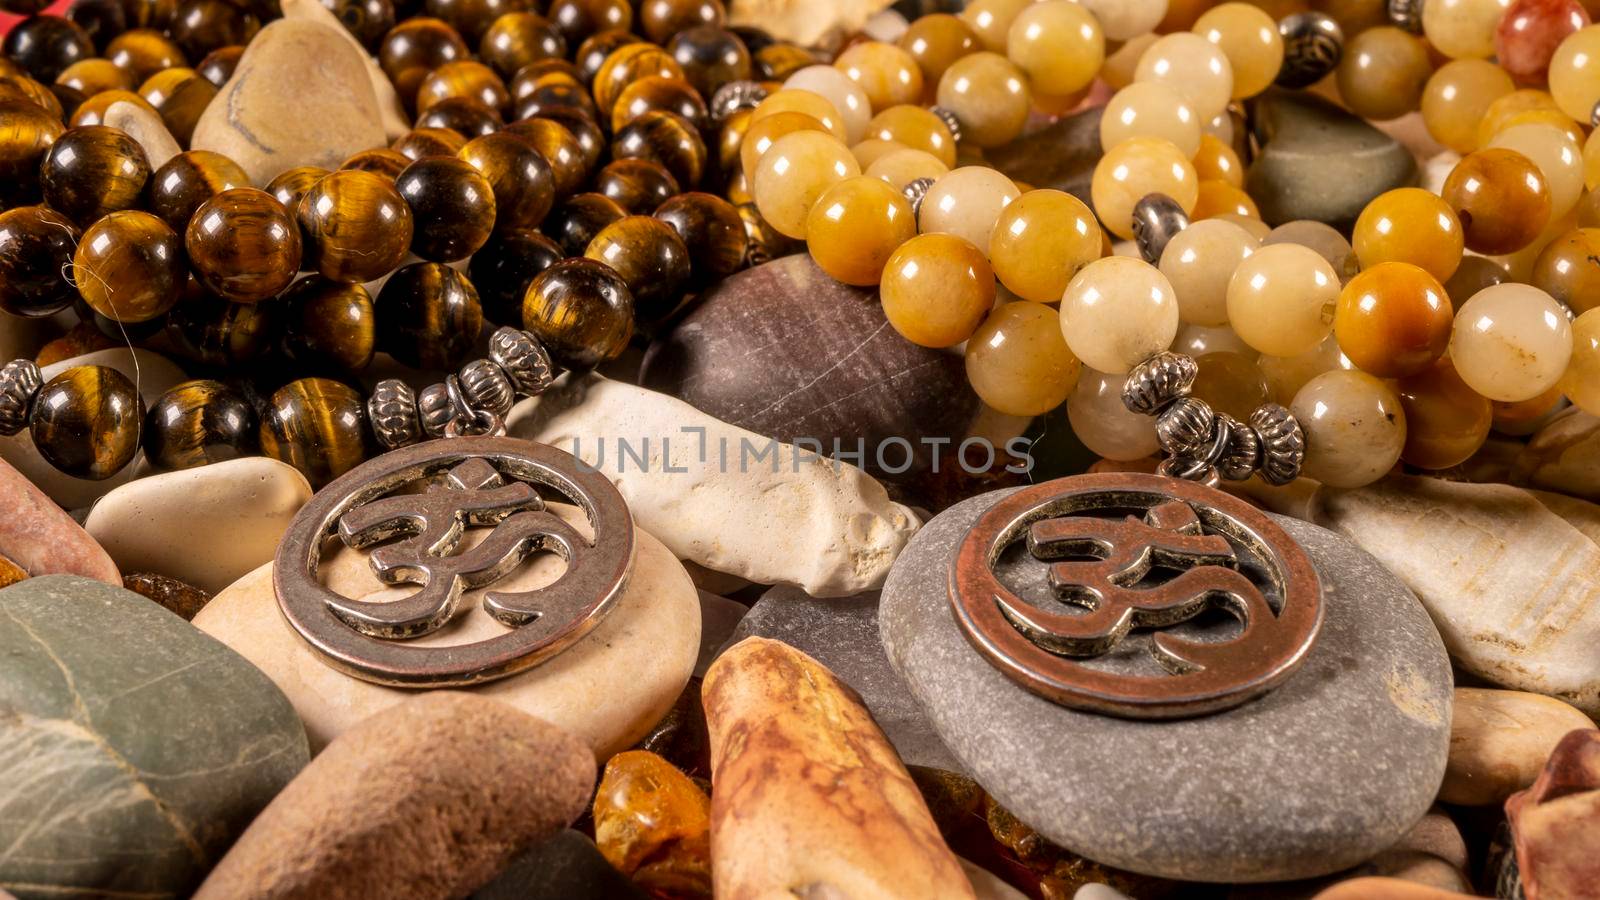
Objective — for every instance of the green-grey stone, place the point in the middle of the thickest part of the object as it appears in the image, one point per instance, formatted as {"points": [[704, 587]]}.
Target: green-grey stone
{"points": [[133, 747]]}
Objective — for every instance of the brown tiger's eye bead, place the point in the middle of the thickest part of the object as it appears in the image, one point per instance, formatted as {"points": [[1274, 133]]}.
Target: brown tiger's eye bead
{"points": [[592, 53], [46, 45], [243, 245], [93, 110], [638, 185], [379, 161], [578, 19], [523, 186], [191, 178], [581, 311], [554, 96], [201, 26], [519, 38], [471, 18], [574, 223], [199, 422], [1568, 269], [418, 46], [542, 72], [661, 20], [102, 20], [1393, 320], [208, 329], [36, 247], [1500, 198], [419, 143], [144, 52], [356, 225], [219, 64], [96, 74], [710, 56], [463, 78], [628, 64], [462, 115], [91, 171], [504, 268], [26, 133], [179, 95], [316, 425], [712, 231], [561, 151], [430, 316], [667, 140], [651, 259], [1446, 421], [776, 62], [452, 207], [21, 88], [130, 266], [291, 185], [328, 324], [673, 95], [86, 421], [368, 20]]}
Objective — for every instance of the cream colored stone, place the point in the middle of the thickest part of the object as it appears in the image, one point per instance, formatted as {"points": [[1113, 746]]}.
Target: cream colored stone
{"points": [[151, 372], [146, 128], [393, 113], [1499, 741], [805, 22], [300, 96], [1564, 456], [208, 526], [790, 517], [1510, 577], [609, 688]]}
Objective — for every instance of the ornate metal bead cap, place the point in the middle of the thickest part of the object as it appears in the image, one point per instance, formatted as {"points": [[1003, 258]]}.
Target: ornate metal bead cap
{"points": [[1283, 443], [392, 411], [734, 96], [1313, 44], [1158, 381], [486, 387], [1185, 427], [433, 407], [19, 384], [915, 191], [1243, 454], [1406, 15], [524, 360], [948, 117], [1157, 218]]}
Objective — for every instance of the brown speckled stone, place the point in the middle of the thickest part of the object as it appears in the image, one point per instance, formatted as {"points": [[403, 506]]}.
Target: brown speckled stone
{"points": [[175, 596]]}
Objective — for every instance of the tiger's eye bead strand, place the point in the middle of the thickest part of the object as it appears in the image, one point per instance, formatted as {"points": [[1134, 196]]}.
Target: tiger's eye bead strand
{"points": [[357, 226], [130, 266], [429, 316], [91, 171], [199, 422], [36, 251], [581, 311], [452, 208], [191, 178], [316, 425], [243, 245], [86, 422], [329, 325]]}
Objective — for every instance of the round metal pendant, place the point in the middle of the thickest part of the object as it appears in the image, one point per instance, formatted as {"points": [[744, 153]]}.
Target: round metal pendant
{"points": [[413, 507], [1058, 584]]}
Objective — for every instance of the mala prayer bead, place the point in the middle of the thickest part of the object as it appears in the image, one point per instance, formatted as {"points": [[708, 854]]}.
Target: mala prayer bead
{"points": [[637, 185], [130, 267], [199, 422], [711, 230], [317, 426], [430, 316], [329, 325], [189, 179], [91, 171], [1117, 312], [1393, 320], [243, 245], [582, 217], [36, 246], [357, 226], [936, 289], [519, 178], [581, 311], [1501, 199], [651, 260], [452, 208], [504, 268], [86, 421], [1018, 361], [1446, 420], [24, 141]]}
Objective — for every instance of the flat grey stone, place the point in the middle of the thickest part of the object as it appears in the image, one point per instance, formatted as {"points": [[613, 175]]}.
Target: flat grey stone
{"points": [[134, 748], [719, 616], [842, 634], [1332, 767]]}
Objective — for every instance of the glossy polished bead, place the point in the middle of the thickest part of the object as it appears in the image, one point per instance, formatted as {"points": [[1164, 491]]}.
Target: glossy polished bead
{"points": [[637, 185], [1383, 73], [1354, 425], [130, 266], [887, 74], [1194, 67], [316, 425], [581, 311], [379, 161], [86, 421], [1230, 383], [463, 78], [1457, 97], [93, 110], [1199, 262], [1573, 71], [1500, 198], [1281, 300], [1059, 44], [1215, 198], [967, 202], [1117, 312], [847, 97], [1393, 320], [201, 26], [575, 223], [666, 139], [516, 39], [989, 96], [328, 325], [1529, 33], [855, 226], [46, 45], [1134, 169], [356, 225], [900, 167], [1039, 241], [937, 289], [26, 138], [936, 41], [1409, 225], [1473, 275], [656, 93], [1249, 38], [1103, 422], [199, 422], [36, 248], [462, 115], [1018, 362], [219, 65], [191, 178], [1520, 108], [452, 208], [1511, 342], [96, 74], [556, 96], [1581, 381], [1463, 29], [1446, 421], [1286, 375], [660, 20], [628, 64], [1150, 109], [518, 176], [916, 128], [592, 51], [1558, 157], [794, 172], [419, 143], [1567, 269], [243, 245], [762, 134], [429, 316], [504, 268], [710, 56], [1324, 239], [91, 171], [416, 47], [807, 102], [144, 52], [561, 149], [712, 231], [578, 19], [217, 332], [651, 260]]}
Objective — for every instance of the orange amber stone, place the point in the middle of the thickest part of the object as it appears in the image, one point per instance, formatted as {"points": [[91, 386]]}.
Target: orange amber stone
{"points": [[1446, 421], [854, 227], [1409, 225], [1501, 199], [653, 824], [1393, 320], [936, 289]]}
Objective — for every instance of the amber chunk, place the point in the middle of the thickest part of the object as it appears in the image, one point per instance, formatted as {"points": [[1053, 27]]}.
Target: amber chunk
{"points": [[653, 824]]}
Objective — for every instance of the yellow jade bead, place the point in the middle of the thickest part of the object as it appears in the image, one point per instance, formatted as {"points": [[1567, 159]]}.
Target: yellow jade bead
{"points": [[936, 290], [1039, 241], [1216, 197], [1355, 428], [760, 136], [871, 150], [1575, 73], [1135, 168], [1286, 375], [1018, 362], [1557, 156], [1591, 161], [1059, 44], [887, 74], [989, 96], [935, 41], [1250, 39], [1581, 381], [791, 175], [917, 128], [1383, 73], [854, 227], [1281, 300], [1511, 342], [1104, 423], [1194, 67], [1123, 63], [990, 21], [1410, 225], [966, 202], [827, 82], [1127, 20], [1446, 421], [1216, 160], [1520, 108], [1463, 29], [1457, 98], [809, 102], [1150, 109], [1118, 311], [1199, 261], [902, 167]]}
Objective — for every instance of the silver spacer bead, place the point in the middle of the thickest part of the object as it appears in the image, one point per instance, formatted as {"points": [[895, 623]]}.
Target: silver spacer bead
{"points": [[434, 409], [1157, 219], [1405, 15], [1313, 44], [1158, 381], [948, 117], [1185, 428], [914, 192], [392, 412], [19, 384], [734, 96], [524, 360], [1243, 452], [487, 387], [1283, 443]]}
